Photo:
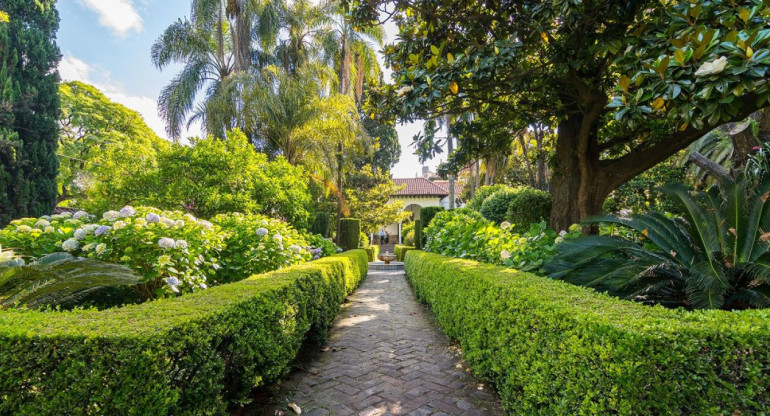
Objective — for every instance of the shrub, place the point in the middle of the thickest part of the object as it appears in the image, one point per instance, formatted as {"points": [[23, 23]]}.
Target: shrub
{"points": [[350, 233], [528, 206], [556, 349], [373, 251], [322, 224], [418, 234], [401, 250], [257, 244], [495, 208], [407, 231], [714, 258], [363, 240], [483, 193], [190, 355], [321, 247], [426, 215]]}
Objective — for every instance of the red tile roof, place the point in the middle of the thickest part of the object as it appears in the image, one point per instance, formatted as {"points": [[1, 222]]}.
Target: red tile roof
{"points": [[445, 185], [420, 187]]}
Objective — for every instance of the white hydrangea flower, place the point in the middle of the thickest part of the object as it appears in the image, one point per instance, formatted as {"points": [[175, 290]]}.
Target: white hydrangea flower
{"points": [[65, 215], [559, 240], [46, 217], [505, 255], [152, 217], [262, 231], [102, 230], [404, 90], [42, 223], [712, 68], [140, 222], [24, 228], [173, 283], [127, 211], [179, 223], [203, 286], [278, 238], [168, 222], [505, 225], [80, 234], [70, 245], [626, 213], [264, 223], [295, 248], [49, 229], [205, 224], [563, 233], [101, 248], [80, 215], [118, 225], [89, 246], [190, 217], [166, 243], [111, 215], [181, 244]]}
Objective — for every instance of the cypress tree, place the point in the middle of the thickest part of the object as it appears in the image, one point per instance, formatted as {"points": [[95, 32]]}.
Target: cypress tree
{"points": [[29, 108]]}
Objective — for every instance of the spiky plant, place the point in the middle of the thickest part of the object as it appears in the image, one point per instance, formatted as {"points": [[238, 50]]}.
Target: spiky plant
{"points": [[58, 279], [715, 257]]}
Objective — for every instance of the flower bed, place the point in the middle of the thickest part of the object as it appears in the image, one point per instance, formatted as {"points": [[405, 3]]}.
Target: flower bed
{"points": [[194, 354], [553, 348]]}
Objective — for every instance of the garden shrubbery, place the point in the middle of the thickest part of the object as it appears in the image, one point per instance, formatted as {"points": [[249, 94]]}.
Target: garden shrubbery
{"points": [[553, 348], [195, 354], [521, 206]]}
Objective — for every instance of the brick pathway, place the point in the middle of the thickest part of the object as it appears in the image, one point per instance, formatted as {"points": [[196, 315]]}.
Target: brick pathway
{"points": [[385, 356]]}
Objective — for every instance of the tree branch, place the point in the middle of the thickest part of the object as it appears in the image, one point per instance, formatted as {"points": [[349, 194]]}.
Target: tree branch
{"points": [[714, 169]]}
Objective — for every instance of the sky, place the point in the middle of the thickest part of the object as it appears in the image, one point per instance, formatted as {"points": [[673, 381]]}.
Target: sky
{"points": [[107, 43]]}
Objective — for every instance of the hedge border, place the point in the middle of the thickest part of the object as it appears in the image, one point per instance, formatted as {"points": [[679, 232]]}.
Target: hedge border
{"points": [[373, 251], [195, 354], [553, 348], [401, 250]]}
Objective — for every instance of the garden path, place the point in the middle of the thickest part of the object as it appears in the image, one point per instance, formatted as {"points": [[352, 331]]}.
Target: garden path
{"points": [[385, 356]]}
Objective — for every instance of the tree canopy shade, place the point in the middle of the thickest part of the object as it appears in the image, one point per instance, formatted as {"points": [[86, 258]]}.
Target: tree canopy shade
{"points": [[629, 83], [29, 107]]}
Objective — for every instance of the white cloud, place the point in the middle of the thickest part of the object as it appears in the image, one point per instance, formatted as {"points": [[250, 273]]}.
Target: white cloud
{"points": [[119, 15], [73, 69]]}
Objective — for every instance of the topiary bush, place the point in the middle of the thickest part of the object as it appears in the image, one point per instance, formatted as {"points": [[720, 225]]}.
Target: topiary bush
{"points": [[483, 193], [322, 225], [190, 355], [350, 233], [552, 348], [528, 206], [495, 208], [426, 215], [373, 252], [401, 250], [418, 235]]}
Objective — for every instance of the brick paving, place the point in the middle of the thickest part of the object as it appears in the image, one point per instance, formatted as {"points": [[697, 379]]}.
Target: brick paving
{"points": [[385, 356]]}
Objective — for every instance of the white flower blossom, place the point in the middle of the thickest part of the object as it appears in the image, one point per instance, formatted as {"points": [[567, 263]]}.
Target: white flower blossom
{"points": [[80, 234], [127, 211], [262, 231], [173, 283], [505, 255], [181, 244], [118, 225], [264, 223], [49, 229], [278, 238], [190, 218], [626, 213], [205, 224], [89, 246], [101, 248], [111, 215], [166, 243], [712, 68], [203, 286], [91, 227], [295, 248], [559, 240], [562, 233], [505, 225], [70, 245], [179, 223], [42, 223], [80, 215], [168, 222], [46, 217], [404, 90], [24, 228], [102, 230], [152, 217]]}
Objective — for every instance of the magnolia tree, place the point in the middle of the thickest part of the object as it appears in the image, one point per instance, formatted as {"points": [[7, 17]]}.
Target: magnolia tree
{"points": [[629, 83]]}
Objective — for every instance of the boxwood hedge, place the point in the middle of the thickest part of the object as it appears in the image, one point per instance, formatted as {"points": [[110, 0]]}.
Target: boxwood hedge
{"points": [[557, 349], [401, 250], [196, 354]]}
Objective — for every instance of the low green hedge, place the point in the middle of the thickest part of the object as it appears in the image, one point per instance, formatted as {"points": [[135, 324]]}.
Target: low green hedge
{"points": [[400, 251], [372, 251], [557, 349], [194, 354]]}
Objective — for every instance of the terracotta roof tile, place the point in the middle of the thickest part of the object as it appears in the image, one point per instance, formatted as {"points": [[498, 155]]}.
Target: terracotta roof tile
{"points": [[445, 185], [420, 187]]}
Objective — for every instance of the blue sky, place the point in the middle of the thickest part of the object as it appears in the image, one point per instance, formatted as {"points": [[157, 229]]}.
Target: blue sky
{"points": [[107, 43]]}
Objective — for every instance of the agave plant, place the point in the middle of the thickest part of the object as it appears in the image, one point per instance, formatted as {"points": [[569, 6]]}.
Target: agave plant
{"points": [[714, 257], [58, 279]]}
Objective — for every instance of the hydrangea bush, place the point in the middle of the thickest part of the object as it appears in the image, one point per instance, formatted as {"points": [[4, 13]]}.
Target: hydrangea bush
{"points": [[465, 233]]}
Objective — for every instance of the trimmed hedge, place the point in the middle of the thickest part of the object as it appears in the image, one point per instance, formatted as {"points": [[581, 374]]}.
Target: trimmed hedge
{"points": [[426, 215], [529, 206], [495, 208], [401, 250], [194, 354], [350, 233], [418, 234], [322, 224], [372, 251], [553, 348]]}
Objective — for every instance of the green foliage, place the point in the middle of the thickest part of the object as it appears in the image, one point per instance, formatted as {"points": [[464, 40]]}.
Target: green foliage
{"points": [[59, 279], [196, 354], [257, 244], [644, 193], [29, 108], [407, 230], [320, 246], [350, 232], [372, 252], [368, 194], [418, 234], [363, 240], [426, 216], [574, 351], [528, 206], [714, 258], [495, 207], [102, 147], [322, 224], [401, 250], [387, 151], [482, 194]]}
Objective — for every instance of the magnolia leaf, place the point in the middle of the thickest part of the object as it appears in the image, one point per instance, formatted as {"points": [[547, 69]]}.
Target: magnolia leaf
{"points": [[625, 82], [4, 17], [454, 87], [744, 14], [544, 36], [658, 103], [679, 56]]}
